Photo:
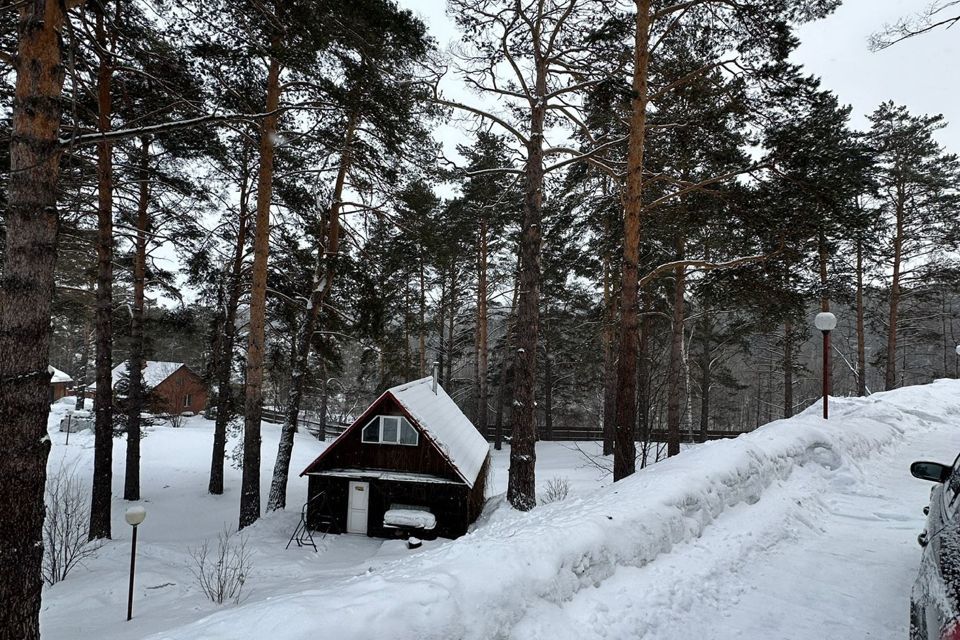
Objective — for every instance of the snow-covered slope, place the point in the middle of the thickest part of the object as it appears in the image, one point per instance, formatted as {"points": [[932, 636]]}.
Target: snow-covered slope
{"points": [[514, 565]]}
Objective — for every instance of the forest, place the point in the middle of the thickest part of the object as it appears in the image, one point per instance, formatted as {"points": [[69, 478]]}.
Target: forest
{"points": [[641, 209]]}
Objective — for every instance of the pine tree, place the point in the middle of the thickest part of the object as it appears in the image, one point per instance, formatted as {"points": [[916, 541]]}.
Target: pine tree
{"points": [[26, 290], [917, 181], [376, 92]]}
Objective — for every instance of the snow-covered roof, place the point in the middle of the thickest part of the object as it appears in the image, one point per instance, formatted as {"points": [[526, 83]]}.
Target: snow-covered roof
{"points": [[58, 376], [154, 373], [377, 474], [443, 422], [440, 420]]}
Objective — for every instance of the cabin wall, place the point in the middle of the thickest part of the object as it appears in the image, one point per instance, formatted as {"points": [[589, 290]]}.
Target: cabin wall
{"points": [[58, 390], [478, 495], [350, 452], [183, 391], [449, 503]]}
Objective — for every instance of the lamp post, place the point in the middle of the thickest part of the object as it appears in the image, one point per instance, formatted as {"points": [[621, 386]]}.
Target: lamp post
{"points": [[825, 322], [134, 516]]}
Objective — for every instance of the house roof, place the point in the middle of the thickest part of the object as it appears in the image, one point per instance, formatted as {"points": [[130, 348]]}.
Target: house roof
{"points": [[442, 422], [154, 373], [58, 376]]}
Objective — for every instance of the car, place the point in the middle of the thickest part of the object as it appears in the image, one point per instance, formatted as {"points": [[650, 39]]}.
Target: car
{"points": [[935, 600]]}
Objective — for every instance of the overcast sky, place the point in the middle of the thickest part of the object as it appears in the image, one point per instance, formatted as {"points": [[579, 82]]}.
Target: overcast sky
{"points": [[920, 73]]}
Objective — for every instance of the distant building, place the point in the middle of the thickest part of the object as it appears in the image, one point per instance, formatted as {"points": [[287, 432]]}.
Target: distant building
{"points": [[60, 384], [411, 464], [171, 387]]}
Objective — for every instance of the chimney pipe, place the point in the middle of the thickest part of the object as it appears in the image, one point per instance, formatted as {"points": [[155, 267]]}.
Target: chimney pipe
{"points": [[436, 374]]}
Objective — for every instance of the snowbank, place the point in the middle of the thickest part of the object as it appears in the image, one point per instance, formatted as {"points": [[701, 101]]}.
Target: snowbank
{"points": [[481, 585]]}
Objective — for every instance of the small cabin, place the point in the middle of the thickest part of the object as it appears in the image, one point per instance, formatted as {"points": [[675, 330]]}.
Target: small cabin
{"points": [[412, 464], [60, 383], [171, 387]]}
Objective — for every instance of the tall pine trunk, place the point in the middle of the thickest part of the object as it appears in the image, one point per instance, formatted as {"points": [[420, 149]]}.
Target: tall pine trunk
{"points": [[505, 364], [250, 482], [324, 390], [103, 397], [135, 395], [228, 338], [861, 340], [676, 354], [422, 329], [83, 372], [625, 449], [451, 325], [547, 379], [521, 485], [482, 354], [322, 283], [608, 336], [442, 323], [706, 372], [26, 291], [823, 257], [644, 372], [890, 375], [788, 368]]}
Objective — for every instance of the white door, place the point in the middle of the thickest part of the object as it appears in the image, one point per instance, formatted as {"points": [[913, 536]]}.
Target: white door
{"points": [[357, 504]]}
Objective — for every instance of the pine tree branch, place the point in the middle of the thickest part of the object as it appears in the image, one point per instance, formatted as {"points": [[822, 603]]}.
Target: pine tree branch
{"points": [[589, 157], [704, 183], [166, 127], [436, 99], [687, 78], [705, 265], [915, 25]]}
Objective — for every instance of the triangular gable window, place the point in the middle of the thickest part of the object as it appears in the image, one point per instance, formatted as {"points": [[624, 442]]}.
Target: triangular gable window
{"points": [[390, 430]]}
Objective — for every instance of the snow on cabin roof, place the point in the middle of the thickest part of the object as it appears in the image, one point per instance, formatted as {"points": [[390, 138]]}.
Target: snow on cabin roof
{"points": [[440, 417], [154, 373], [57, 375], [440, 420]]}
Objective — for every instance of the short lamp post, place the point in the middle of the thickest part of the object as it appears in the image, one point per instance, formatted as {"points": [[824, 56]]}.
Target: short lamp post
{"points": [[134, 516], [826, 322]]}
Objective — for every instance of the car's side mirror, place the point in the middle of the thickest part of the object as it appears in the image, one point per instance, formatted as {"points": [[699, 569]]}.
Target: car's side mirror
{"points": [[933, 471]]}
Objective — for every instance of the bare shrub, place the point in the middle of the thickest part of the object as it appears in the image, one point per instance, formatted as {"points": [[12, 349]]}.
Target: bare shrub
{"points": [[65, 527], [222, 571], [557, 489], [175, 420]]}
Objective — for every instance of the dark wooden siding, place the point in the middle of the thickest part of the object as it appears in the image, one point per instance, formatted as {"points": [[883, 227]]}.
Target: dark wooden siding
{"points": [[350, 452], [59, 390], [449, 503]]}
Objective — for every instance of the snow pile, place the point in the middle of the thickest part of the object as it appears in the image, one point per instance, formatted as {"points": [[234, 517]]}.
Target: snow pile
{"points": [[483, 584], [412, 518]]}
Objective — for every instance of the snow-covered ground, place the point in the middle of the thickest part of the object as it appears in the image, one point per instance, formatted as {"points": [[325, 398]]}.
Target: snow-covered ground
{"points": [[802, 529]]}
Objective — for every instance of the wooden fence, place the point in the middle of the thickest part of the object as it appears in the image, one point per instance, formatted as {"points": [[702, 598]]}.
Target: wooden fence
{"points": [[560, 434], [566, 434], [312, 427]]}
